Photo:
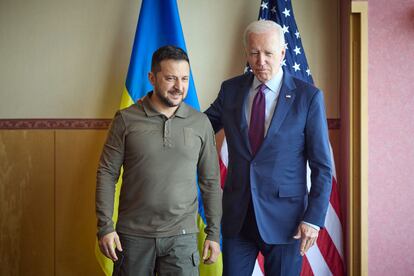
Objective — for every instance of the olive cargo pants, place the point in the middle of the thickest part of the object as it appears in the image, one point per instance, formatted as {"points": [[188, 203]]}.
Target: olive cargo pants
{"points": [[177, 255]]}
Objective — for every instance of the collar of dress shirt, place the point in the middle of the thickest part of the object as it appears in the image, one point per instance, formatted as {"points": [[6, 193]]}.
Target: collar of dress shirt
{"points": [[273, 85]]}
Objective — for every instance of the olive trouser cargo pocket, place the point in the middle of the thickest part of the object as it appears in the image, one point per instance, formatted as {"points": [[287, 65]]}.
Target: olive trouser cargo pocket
{"points": [[177, 255]]}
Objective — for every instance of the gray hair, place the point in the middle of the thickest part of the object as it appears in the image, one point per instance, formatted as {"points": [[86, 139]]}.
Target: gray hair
{"points": [[263, 26]]}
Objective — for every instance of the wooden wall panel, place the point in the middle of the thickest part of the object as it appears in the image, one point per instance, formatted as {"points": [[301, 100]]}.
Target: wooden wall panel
{"points": [[334, 138], [77, 154], [26, 202], [47, 195]]}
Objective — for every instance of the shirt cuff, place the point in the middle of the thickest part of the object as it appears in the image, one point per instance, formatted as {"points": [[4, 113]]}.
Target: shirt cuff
{"points": [[316, 227], [215, 238]]}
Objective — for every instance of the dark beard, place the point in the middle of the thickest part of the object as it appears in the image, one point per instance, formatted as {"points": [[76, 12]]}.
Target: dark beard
{"points": [[165, 100]]}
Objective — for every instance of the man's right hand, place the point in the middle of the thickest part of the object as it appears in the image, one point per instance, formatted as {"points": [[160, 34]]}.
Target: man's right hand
{"points": [[108, 243]]}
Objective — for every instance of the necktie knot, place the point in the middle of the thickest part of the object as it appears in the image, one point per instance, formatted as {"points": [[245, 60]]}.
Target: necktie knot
{"points": [[261, 88]]}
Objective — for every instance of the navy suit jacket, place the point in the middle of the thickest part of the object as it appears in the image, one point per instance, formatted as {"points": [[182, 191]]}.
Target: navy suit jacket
{"points": [[275, 178]]}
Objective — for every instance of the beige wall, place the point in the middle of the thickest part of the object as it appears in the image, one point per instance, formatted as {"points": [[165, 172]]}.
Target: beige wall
{"points": [[68, 59]]}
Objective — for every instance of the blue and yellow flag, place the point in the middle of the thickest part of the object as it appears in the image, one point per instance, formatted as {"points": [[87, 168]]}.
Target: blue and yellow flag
{"points": [[158, 25]]}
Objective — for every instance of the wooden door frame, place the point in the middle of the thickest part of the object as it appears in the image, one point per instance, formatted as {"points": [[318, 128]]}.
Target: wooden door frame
{"points": [[357, 142]]}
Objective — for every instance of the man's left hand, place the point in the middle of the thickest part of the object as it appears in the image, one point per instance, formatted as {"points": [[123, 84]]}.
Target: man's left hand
{"points": [[211, 251], [308, 235]]}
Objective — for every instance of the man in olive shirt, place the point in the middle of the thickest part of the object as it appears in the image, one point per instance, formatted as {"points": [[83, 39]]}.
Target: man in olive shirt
{"points": [[163, 145]]}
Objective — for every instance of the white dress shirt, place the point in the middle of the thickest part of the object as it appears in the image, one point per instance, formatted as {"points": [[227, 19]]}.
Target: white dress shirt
{"points": [[271, 93]]}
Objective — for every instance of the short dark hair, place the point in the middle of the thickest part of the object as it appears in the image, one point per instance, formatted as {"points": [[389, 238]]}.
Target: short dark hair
{"points": [[167, 52]]}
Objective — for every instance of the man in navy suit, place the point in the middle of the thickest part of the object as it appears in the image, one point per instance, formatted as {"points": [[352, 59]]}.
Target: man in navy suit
{"points": [[274, 123]]}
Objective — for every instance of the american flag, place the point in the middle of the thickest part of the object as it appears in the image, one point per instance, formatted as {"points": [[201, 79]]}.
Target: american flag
{"points": [[326, 256], [281, 12]]}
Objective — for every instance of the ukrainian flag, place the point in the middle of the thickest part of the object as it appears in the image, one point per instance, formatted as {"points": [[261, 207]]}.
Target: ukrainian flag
{"points": [[158, 25]]}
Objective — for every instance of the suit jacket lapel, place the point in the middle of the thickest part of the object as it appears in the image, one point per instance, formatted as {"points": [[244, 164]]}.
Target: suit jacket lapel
{"points": [[284, 103], [240, 111]]}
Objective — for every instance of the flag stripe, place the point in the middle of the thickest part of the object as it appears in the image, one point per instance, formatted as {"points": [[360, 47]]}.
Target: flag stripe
{"points": [[260, 261], [317, 263], [333, 227], [223, 172], [334, 199], [258, 270], [126, 99], [330, 253], [306, 268]]}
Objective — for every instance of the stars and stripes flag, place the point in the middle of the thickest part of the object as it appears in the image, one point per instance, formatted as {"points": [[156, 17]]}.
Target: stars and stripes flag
{"points": [[326, 257]]}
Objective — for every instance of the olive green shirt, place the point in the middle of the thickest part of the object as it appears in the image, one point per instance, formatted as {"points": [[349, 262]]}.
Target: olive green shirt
{"points": [[162, 160]]}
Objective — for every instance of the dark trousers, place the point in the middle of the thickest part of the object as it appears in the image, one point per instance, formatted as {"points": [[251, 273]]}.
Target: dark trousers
{"points": [[240, 253], [177, 255]]}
